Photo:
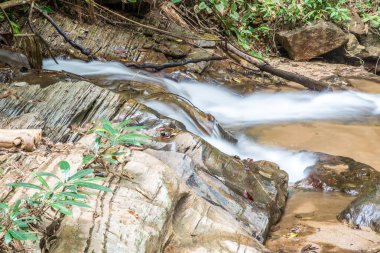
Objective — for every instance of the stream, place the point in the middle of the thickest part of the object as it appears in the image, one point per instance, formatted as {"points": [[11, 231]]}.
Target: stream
{"points": [[237, 113], [283, 127]]}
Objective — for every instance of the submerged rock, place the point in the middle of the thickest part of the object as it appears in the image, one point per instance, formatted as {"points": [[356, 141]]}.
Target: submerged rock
{"points": [[313, 40], [338, 173], [365, 209]]}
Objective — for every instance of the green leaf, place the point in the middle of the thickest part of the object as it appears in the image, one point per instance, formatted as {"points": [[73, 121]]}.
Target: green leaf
{"points": [[118, 153], [26, 185], [73, 203], [3, 205], [64, 166], [202, 6], [107, 125], [61, 208], [8, 238], [41, 180], [110, 160], [58, 185], [22, 235], [93, 186], [176, 1], [88, 158], [46, 174], [72, 195], [81, 173]]}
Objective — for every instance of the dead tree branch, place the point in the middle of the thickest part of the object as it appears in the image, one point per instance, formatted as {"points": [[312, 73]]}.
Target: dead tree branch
{"points": [[12, 3], [75, 45], [158, 67], [266, 67]]}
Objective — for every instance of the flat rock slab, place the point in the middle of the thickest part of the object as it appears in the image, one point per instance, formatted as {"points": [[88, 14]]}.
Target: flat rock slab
{"points": [[313, 40]]}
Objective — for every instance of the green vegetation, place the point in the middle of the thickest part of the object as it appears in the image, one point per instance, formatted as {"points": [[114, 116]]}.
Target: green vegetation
{"points": [[59, 191], [258, 19]]}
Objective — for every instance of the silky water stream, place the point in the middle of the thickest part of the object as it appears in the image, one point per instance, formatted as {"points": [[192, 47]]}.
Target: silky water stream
{"points": [[274, 127]]}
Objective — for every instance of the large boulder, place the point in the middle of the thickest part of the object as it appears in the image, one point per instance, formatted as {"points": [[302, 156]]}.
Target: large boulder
{"points": [[364, 211], [313, 40]]}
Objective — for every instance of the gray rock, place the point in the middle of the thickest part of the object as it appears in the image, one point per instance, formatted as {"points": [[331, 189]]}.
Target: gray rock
{"points": [[354, 49], [313, 40], [364, 211], [14, 59], [197, 53], [356, 25], [172, 48]]}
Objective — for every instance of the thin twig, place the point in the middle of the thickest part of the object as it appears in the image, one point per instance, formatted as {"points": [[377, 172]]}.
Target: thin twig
{"points": [[8, 20]]}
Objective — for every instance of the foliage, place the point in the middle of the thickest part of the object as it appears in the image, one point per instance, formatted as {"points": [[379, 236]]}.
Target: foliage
{"points": [[251, 20], [369, 11], [111, 135], [16, 220], [15, 27], [60, 191]]}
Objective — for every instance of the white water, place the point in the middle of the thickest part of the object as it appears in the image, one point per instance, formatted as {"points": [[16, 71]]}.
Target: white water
{"points": [[231, 109]]}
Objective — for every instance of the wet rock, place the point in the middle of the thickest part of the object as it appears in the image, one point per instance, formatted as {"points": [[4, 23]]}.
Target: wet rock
{"points": [[370, 39], [197, 53], [6, 75], [14, 60], [172, 48], [364, 211], [150, 208], [338, 173], [313, 40], [355, 50], [254, 193]]}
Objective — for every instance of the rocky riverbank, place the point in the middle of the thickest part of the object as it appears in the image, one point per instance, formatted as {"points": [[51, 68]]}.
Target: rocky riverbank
{"points": [[180, 193]]}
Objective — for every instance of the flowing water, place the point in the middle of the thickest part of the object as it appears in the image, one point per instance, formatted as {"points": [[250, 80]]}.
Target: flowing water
{"points": [[237, 112]]}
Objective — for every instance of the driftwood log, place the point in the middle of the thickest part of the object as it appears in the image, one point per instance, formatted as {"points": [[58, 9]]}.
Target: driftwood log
{"points": [[26, 139]]}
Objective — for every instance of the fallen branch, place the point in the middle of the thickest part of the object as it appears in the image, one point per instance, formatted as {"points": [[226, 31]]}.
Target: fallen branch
{"points": [[12, 3], [75, 45], [290, 76], [26, 139], [158, 67]]}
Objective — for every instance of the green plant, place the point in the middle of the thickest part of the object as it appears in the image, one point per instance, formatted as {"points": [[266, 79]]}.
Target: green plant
{"points": [[255, 20], [60, 191], [111, 135], [67, 190]]}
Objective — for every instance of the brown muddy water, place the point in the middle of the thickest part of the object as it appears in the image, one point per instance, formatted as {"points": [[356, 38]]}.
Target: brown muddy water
{"points": [[310, 223]]}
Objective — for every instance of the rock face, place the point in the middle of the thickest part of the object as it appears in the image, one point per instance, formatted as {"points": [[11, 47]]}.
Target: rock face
{"points": [[338, 173], [181, 195], [353, 49], [364, 210], [309, 41]]}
